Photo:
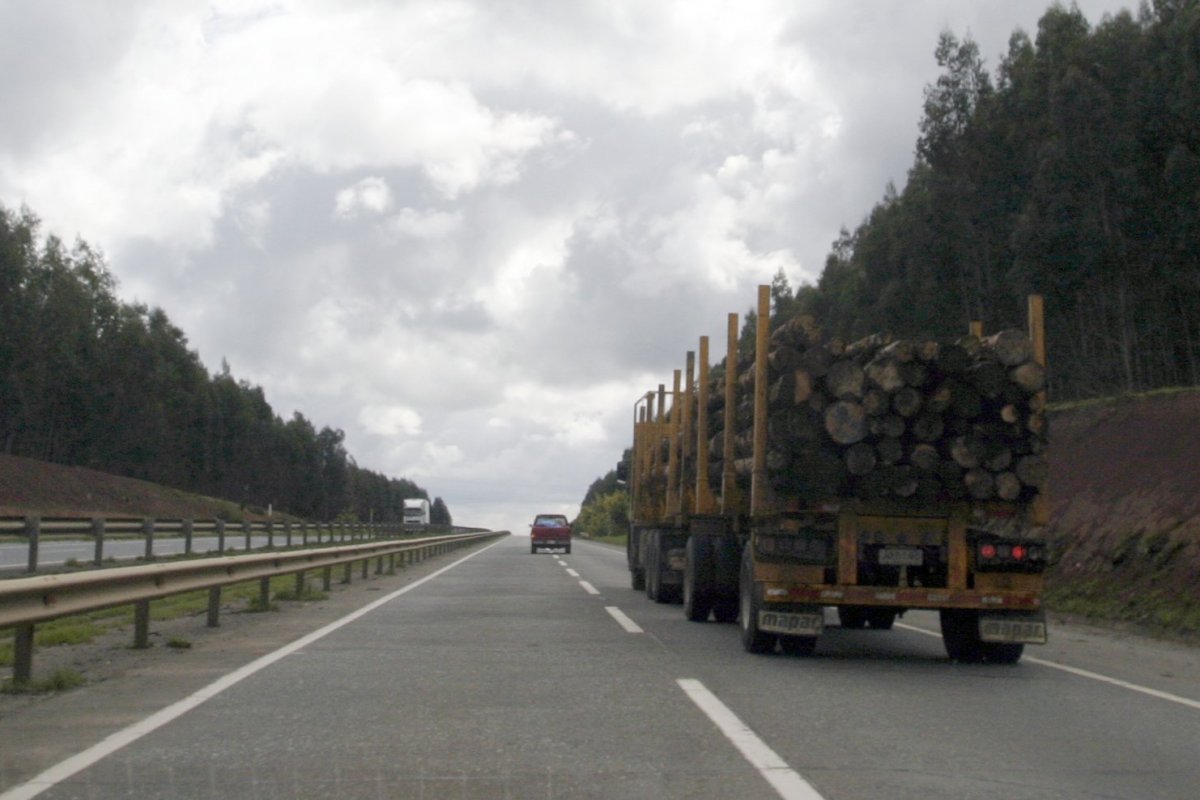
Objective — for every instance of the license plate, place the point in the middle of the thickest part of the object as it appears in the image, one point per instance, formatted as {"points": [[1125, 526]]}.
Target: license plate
{"points": [[1017, 631], [789, 624], [901, 556]]}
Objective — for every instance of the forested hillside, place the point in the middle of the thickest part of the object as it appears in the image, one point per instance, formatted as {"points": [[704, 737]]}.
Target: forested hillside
{"points": [[1072, 170], [88, 380]]}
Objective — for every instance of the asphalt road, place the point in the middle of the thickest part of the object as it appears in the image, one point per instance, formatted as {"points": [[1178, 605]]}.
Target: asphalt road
{"points": [[55, 552], [516, 676]]}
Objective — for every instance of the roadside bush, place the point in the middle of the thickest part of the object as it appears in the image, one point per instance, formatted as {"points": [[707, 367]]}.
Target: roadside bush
{"points": [[607, 515]]}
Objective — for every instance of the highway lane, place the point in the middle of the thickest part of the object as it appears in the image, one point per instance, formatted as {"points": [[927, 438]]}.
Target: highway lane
{"points": [[55, 552], [58, 552], [507, 677], [885, 714]]}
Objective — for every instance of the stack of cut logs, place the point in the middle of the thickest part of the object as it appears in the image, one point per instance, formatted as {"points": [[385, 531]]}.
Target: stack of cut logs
{"points": [[893, 418]]}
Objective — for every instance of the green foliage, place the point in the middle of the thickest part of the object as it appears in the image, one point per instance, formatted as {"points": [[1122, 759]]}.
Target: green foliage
{"points": [[1074, 173], [607, 515], [87, 380], [61, 680], [438, 513], [609, 483]]}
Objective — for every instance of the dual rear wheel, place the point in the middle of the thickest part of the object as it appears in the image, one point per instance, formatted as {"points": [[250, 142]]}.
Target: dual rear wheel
{"points": [[754, 639], [960, 635]]}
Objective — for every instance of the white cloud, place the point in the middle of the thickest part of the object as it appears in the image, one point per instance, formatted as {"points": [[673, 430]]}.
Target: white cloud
{"points": [[368, 196], [425, 223], [390, 420]]}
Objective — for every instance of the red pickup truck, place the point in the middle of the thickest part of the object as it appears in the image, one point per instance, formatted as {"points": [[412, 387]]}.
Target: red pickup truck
{"points": [[549, 530]]}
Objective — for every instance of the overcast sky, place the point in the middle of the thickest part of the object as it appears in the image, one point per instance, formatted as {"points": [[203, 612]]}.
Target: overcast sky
{"points": [[469, 234]]}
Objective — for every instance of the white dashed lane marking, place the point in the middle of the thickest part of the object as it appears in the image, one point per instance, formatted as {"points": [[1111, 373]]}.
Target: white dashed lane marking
{"points": [[624, 621], [785, 780]]}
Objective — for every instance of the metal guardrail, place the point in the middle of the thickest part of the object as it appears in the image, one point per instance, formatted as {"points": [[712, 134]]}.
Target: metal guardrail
{"points": [[25, 602], [287, 533]]}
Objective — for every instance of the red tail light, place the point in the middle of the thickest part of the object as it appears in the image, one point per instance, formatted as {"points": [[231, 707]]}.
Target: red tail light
{"points": [[988, 551]]}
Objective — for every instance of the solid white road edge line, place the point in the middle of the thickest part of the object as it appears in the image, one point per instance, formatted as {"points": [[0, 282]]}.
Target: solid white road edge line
{"points": [[81, 761], [587, 587], [625, 622], [785, 780], [572, 573], [1083, 673]]}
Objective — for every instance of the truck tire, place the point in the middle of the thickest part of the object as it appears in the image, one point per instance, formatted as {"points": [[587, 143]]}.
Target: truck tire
{"points": [[881, 619], [960, 634], [725, 611], [568, 549], [798, 645], [533, 549], [726, 571], [697, 579], [753, 639], [1002, 652], [653, 590], [852, 617], [637, 580]]}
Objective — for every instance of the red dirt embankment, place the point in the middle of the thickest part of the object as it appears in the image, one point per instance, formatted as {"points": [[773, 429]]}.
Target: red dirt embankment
{"points": [[52, 490], [1125, 491]]}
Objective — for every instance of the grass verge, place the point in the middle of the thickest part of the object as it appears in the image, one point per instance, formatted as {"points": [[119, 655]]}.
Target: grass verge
{"points": [[1155, 611], [83, 628], [619, 540], [61, 680]]}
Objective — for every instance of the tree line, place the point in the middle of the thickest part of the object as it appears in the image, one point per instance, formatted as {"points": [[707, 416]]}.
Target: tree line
{"points": [[89, 380], [1073, 171]]}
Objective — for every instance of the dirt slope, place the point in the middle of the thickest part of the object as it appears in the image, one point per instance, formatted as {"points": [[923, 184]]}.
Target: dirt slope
{"points": [[52, 490], [1125, 486]]}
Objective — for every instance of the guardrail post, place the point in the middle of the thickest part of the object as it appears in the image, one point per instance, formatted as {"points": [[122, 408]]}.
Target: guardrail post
{"points": [[326, 576], [264, 594], [187, 536], [141, 624], [246, 531], [33, 531], [270, 534], [366, 566], [300, 585], [287, 532], [391, 564], [379, 566], [98, 538], [214, 607], [148, 533], [220, 536], [346, 572], [22, 654]]}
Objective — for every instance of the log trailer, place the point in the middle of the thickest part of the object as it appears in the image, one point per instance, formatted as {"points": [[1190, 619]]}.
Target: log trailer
{"points": [[873, 478]]}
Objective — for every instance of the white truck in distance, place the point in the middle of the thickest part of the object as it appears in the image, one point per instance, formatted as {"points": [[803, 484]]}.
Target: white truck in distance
{"points": [[416, 514]]}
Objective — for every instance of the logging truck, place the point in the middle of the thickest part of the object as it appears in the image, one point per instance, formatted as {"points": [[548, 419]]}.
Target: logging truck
{"points": [[869, 478]]}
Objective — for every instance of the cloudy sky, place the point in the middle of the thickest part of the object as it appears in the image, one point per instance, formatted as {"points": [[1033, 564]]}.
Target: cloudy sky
{"points": [[470, 234]]}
